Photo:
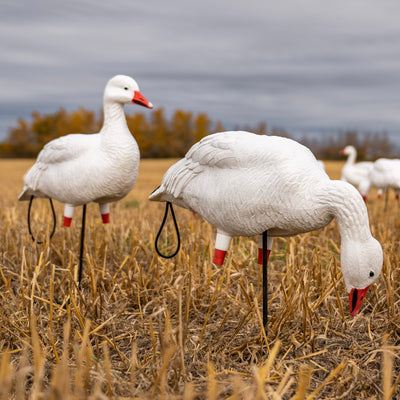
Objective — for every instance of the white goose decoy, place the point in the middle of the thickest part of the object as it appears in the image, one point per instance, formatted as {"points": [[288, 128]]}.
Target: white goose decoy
{"points": [[77, 169], [245, 184], [353, 172], [385, 174]]}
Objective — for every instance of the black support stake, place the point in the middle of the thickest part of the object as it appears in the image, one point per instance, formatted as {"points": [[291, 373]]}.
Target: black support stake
{"points": [[265, 279], [82, 246], [386, 194]]}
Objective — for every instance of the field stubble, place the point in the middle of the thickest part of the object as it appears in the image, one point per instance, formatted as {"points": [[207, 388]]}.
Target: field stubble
{"points": [[146, 327]]}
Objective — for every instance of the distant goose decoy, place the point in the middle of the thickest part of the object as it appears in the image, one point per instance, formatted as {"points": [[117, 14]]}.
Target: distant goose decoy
{"points": [[353, 172], [77, 169], [384, 175], [246, 184]]}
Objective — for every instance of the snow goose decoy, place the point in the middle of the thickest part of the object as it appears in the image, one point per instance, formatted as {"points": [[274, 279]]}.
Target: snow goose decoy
{"points": [[384, 175], [246, 184], [353, 172], [77, 169]]}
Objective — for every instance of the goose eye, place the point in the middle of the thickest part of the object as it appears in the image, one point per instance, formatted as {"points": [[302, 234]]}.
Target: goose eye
{"points": [[371, 274], [125, 88]]}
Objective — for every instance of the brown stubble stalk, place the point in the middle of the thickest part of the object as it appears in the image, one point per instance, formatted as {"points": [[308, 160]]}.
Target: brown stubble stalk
{"points": [[144, 327]]}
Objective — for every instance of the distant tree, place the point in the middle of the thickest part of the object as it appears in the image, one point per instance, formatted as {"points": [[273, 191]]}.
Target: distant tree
{"points": [[28, 138], [181, 136], [22, 141], [158, 136], [159, 133], [369, 146], [280, 132], [262, 129], [80, 121], [140, 129], [219, 127], [383, 147], [201, 126]]}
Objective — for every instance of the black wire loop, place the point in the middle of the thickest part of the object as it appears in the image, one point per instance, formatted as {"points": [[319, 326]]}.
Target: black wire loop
{"points": [[168, 206], [29, 220]]}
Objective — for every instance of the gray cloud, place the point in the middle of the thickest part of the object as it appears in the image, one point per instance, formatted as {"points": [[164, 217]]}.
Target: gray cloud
{"points": [[303, 65]]}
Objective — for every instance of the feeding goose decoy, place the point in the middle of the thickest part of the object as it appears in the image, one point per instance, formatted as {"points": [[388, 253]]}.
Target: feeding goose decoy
{"points": [[246, 184]]}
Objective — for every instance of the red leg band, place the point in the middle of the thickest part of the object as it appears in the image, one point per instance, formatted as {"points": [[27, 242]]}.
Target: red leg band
{"points": [[260, 256], [219, 256], [67, 221]]}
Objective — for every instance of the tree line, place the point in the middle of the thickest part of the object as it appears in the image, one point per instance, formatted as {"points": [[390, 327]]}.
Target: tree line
{"points": [[162, 137]]}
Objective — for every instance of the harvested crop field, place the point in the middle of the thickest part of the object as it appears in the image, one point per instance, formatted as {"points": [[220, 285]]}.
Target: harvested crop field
{"points": [[182, 328]]}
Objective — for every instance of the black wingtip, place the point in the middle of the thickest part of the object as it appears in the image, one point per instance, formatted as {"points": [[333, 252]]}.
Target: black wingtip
{"points": [[155, 190]]}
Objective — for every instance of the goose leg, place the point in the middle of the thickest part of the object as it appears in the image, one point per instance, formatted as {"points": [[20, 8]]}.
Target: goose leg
{"points": [[68, 214], [266, 246], [82, 245], [386, 198], [105, 212], [261, 246], [222, 243]]}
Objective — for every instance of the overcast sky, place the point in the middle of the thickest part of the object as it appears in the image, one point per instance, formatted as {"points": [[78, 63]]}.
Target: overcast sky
{"points": [[305, 66]]}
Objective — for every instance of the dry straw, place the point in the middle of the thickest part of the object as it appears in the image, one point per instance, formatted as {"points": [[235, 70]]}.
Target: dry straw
{"points": [[146, 328]]}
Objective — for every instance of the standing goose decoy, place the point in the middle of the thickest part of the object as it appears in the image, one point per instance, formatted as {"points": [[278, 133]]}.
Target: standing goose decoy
{"points": [[77, 169], [246, 184], [353, 172]]}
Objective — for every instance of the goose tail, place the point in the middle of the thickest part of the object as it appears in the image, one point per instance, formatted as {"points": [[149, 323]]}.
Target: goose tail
{"points": [[25, 194], [156, 194]]}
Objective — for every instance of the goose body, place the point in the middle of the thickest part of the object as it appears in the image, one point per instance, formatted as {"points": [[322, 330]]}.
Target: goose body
{"points": [[385, 174], [81, 168], [353, 172], [245, 184]]}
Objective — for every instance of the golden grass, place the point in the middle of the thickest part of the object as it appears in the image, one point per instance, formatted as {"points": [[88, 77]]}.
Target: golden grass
{"points": [[145, 327]]}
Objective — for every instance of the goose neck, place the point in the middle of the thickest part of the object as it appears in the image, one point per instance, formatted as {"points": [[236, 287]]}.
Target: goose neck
{"points": [[349, 211], [351, 159], [114, 116]]}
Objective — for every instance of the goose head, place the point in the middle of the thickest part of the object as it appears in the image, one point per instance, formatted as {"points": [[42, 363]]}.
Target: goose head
{"points": [[123, 89], [348, 150], [361, 265]]}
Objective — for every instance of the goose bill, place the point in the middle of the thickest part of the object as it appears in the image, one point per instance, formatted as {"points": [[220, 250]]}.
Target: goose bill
{"points": [[138, 98], [356, 297]]}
